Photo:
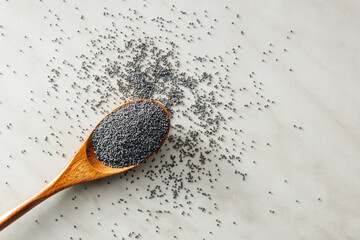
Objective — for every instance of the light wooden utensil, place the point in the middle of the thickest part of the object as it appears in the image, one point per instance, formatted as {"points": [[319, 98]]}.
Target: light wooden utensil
{"points": [[83, 168]]}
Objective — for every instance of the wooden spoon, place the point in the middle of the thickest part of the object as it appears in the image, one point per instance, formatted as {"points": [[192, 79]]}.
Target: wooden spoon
{"points": [[83, 168]]}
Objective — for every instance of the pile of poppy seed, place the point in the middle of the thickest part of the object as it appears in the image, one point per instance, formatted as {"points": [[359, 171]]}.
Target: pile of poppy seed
{"points": [[143, 70], [130, 134], [118, 68]]}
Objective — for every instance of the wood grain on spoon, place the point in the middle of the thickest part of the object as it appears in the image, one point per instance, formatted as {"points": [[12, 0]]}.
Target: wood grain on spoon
{"points": [[84, 167]]}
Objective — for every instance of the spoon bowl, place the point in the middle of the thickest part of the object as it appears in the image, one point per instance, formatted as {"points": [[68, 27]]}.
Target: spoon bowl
{"points": [[84, 167], [97, 164]]}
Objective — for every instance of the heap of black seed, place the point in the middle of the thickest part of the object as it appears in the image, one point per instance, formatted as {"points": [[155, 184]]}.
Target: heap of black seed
{"points": [[130, 134], [199, 99], [149, 71]]}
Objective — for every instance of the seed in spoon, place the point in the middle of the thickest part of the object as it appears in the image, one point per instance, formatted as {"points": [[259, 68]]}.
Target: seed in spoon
{"points": [[130, 134]]}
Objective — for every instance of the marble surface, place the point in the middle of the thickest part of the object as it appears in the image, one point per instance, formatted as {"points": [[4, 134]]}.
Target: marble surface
{"points": [[308, 174]]}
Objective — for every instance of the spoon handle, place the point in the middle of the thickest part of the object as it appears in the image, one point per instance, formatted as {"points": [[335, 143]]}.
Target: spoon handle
{"points": [[77, 171], [13, 214]]}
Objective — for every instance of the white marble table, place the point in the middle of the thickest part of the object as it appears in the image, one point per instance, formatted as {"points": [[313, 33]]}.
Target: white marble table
{"points": [[304, 184]]}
